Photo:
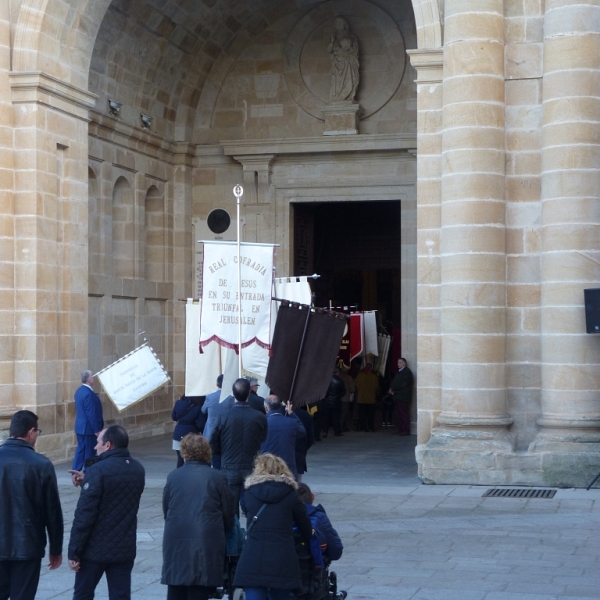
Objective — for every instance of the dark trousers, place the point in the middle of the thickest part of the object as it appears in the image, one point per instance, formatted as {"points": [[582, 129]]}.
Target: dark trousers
{"points": [[366, 417], [86, 447], [118, 579], [235, 479], [402, 416], [387, 412], [19, 578], [318, 422], [189, 592], [335, 416], [179, 459], [344, 415]]}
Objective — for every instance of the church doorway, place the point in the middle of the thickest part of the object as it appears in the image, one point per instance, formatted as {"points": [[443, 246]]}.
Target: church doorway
{"points": [[355, 249]]}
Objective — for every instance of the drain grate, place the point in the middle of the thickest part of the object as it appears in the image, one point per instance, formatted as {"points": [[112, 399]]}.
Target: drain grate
{"points": [[519, 493]]}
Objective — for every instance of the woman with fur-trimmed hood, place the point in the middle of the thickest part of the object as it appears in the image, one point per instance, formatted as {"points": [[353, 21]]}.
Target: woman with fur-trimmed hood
{"points": [[268, 567]]}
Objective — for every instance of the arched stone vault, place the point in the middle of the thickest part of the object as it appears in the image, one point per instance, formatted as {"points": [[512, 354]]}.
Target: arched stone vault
{"points": [[59, 40]]}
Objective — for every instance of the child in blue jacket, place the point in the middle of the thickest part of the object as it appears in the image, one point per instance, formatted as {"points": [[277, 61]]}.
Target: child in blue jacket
{"points": [[329, 540]]}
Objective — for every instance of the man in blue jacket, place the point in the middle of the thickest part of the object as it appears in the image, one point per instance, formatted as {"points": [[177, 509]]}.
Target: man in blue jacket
{"points": [[284, 429], [88, 420]]}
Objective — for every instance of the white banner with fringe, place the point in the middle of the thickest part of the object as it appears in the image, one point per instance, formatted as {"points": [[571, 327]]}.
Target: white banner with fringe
{"points": [[223, 305], [133, 377]]}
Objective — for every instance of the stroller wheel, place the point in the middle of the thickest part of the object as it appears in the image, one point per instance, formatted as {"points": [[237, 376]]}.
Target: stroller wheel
{"points": [[238, 594]]}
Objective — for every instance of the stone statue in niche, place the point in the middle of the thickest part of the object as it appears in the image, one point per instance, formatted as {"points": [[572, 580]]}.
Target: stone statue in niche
{"points": [[343, 50]]}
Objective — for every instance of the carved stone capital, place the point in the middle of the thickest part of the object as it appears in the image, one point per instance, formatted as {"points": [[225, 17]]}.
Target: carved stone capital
{"points": [[257, 176], [429, 64]]}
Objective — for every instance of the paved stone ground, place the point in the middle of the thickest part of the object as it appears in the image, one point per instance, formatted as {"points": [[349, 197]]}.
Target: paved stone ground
{"points": [[403, 540]]}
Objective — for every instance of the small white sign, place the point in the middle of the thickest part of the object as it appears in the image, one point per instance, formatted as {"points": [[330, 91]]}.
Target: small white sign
{"points": [[238, 191], [132, 378]]}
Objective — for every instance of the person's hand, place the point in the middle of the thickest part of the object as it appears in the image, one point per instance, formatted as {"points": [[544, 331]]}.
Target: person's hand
{"points": [[289, 408], [54, 561], [76, 477], [74, 565]]}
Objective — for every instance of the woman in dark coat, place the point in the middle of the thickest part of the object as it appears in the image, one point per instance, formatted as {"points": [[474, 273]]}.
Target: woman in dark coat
{"points": [[402, 388], [198, 510], [268, 567], [190, 419]]}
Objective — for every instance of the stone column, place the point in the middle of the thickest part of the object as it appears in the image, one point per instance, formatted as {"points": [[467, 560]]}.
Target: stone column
{"points": [[183, 249], [7, 228], [51, 255], [570, 420], [473, 271], [428, 63]]}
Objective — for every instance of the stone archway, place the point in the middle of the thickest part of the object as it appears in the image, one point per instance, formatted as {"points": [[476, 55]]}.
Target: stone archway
{"points": [[37, 47], [53, 53]]}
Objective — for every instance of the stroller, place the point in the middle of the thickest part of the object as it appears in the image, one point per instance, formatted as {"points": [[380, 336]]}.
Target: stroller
{"points": [[318, 582], [235, 542]]}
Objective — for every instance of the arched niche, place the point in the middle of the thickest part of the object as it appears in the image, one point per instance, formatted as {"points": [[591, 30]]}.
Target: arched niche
{"points": [[123, 230], [155, 235]]}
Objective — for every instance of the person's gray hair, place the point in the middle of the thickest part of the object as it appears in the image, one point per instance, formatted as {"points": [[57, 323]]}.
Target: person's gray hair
{"points": [[86, 375], [273, 402]]}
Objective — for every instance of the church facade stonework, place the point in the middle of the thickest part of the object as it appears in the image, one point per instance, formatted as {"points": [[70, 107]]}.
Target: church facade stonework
{"points": [[122, 122]]}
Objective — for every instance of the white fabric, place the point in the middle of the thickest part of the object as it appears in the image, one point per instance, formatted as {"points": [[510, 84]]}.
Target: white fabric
{"points": [[295, 289], [201, 370], [383, 342], [370, 328], [132, 378], [230, 371], [219, 313]]}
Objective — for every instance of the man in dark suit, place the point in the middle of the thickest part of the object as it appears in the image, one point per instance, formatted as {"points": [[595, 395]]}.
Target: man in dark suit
{"points": [[236, 438], [283, 431], [254, 400], [88, 420]]}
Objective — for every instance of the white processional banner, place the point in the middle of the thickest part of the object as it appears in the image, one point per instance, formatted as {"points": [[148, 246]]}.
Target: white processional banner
{"points": [[220, 304], [133, 378]]}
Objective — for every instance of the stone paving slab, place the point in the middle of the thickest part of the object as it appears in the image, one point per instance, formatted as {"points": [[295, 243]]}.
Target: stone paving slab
{"points": [[402, 540]]}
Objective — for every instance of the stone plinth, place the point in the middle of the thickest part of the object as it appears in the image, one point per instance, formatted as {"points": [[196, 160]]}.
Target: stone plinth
{"points": [[341, 118]]}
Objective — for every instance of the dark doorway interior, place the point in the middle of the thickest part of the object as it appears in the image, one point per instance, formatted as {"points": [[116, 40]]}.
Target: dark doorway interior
{"points": [[355, 248]]}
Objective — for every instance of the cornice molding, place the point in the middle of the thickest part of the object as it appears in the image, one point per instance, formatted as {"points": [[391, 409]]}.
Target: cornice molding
{"points": [[314, 145], [36, 87]]}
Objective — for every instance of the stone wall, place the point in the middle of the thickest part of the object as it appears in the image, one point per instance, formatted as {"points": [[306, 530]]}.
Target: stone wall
{"points": [[95, 228]]}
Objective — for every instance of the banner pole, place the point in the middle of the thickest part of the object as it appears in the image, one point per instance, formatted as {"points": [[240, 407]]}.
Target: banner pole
{"points": [[238, 191], [312, 301]]}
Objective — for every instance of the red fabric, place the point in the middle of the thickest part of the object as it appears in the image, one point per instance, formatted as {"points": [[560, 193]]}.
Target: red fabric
{"points": [[355, 326]]}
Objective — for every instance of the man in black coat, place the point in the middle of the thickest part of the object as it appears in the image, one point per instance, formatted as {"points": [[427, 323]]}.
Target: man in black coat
{"points": [[103, 536], [333, 404], [303, 444], [29, 507], [237, 436], [402, 389], [254, 400]]}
